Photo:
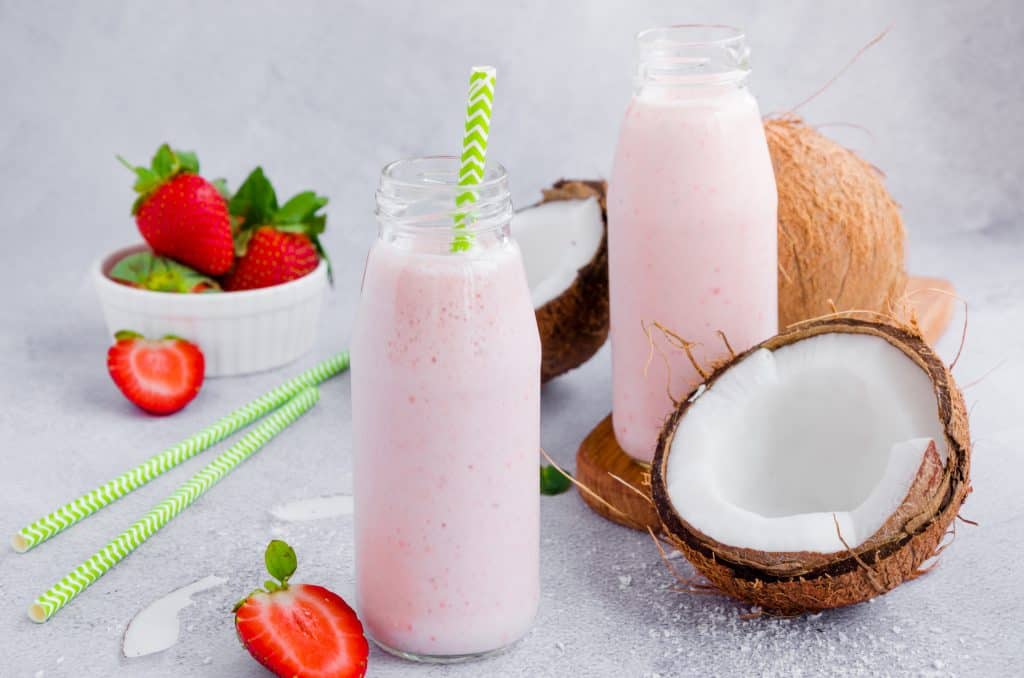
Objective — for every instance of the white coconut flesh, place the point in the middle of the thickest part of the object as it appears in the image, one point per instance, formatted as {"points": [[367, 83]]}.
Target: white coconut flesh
{"points": [[557, 239], [833, 425]]}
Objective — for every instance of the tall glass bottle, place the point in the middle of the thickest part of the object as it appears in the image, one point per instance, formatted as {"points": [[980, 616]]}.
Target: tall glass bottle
{"points": [[691, 222]]}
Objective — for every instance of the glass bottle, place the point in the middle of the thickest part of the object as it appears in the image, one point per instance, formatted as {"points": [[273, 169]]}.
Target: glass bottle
{"points": [[446, 421], [691, 223]]}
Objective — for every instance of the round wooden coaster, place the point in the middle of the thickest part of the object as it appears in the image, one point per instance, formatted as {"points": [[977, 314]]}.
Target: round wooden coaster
{"points": [[598, 460]]}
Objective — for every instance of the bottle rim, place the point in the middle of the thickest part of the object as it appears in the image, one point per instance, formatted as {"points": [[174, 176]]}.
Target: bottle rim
{"points": [[691, 54], [421, 195]]}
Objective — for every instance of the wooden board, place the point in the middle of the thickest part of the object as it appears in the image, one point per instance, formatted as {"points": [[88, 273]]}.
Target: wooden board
{"points": [[600, 458], [933, 301]]}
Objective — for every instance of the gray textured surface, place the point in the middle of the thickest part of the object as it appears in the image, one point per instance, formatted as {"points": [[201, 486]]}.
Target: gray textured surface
{"points": [[323, 95]]}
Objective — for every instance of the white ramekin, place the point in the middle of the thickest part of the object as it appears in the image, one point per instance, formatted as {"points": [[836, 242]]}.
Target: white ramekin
{"points": [[238, 332]]}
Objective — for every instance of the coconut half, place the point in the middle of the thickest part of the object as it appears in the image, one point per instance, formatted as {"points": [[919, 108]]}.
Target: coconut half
{"points": [[818, 469], [565, 252]]}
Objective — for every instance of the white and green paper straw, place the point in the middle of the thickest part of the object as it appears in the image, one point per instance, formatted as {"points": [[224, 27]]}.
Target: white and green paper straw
{"points": [[78, 509], [474, 145], [64, 591]]}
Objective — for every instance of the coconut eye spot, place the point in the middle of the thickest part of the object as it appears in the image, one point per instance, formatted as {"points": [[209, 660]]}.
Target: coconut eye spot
{"points": [[833, 425]]}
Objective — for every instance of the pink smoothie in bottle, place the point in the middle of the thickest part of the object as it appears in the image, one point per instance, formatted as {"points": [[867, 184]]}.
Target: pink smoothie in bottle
{"points": [[691, 223], [446, 422]]}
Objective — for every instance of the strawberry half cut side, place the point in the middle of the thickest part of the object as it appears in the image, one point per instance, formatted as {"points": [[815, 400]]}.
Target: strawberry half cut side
{"points": [[161, 376], [300, 629]]}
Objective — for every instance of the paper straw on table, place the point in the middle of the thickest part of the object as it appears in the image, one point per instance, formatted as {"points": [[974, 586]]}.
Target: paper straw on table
{"points": [[84, 506], [474, 145], [64, 591]]}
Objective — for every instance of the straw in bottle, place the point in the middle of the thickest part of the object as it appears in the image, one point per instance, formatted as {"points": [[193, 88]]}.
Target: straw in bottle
{"points": [[474, 146]]}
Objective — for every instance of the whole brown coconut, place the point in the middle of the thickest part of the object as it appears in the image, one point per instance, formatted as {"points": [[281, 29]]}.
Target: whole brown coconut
{"points": [[574, 325], [795, 582], [840, 232]]}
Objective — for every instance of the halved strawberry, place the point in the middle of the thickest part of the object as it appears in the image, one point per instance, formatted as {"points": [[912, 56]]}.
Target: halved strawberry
{"points": [[159, 375], [300, 630], [182, 215], [275, 244]]}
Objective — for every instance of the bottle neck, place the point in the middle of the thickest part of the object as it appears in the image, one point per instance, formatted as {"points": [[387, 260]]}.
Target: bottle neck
{"points": [[421, 205], [691, 57]]}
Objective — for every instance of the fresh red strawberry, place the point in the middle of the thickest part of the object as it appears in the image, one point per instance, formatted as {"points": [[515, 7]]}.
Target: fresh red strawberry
{"points": [[272, 257], [182, 215], [159, 375], [300, 630], [147, 271], [274, 244]]}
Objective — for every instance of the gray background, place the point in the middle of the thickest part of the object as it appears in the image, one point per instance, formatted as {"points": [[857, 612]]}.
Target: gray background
{"points": [[322, 95]]}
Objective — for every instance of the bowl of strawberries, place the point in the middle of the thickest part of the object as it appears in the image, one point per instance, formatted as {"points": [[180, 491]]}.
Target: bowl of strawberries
{"points": [[238, 274]]}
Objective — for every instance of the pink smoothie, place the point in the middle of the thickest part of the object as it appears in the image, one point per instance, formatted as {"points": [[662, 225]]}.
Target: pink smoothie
{"points": [[692, 244], [446, 417]]}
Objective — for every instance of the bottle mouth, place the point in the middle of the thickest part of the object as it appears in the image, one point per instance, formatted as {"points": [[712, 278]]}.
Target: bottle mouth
{"points": [[423, 195], [691, 54]]}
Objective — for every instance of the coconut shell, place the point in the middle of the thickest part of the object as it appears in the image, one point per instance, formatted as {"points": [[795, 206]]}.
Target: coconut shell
{"points": [[796, 582], [574, 325], [841, 236]]}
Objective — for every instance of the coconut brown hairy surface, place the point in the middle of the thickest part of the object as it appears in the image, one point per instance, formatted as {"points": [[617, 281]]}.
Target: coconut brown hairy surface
{"points": [[800, 581], [841, 237], [574, 325]]}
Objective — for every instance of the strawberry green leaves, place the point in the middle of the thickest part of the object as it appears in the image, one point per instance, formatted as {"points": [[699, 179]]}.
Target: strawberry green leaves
{"points": [[281, 562], [160, 274], [255, 204], [553, 481], [255, 201], [166, 163]]}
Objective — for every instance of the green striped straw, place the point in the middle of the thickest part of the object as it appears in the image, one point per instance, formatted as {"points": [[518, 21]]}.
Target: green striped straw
{"points": [[84, 506], [474, 145], [76, 581]]}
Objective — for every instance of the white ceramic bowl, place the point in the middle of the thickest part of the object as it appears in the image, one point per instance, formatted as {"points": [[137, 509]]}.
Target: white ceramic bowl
{"points": [[238, 332]]}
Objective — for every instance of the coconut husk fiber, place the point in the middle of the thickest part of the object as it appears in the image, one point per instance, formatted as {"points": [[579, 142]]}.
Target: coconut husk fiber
{"points": [[841, 237]]}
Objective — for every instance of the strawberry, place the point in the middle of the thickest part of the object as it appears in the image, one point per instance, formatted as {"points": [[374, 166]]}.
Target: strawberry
{"points": [[159, 375], [274, 244], [160, 274], [182, 215], [300, 630]]}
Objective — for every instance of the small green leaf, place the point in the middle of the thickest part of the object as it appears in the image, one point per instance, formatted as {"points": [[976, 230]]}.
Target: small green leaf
{"points": [[188, 161], [553, 481], [300, 208], [281, 560], [126, 334], [164, 162], [145, 180], [255, 200]]}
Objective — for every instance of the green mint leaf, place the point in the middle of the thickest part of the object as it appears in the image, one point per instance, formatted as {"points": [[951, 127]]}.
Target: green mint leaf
{"points": [[300, 208], [164, 162], [553, 481], [281, 560], [187, 161], [254, 201]]}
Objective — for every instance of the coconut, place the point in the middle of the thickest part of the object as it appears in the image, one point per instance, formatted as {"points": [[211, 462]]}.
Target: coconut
{"points": [[840, 232], [818, 469], [564, 241]]}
